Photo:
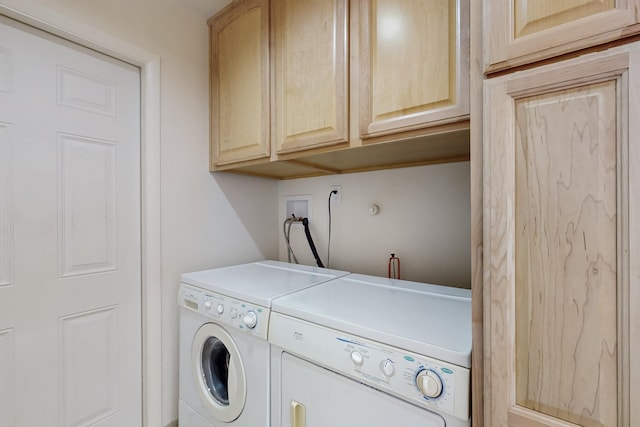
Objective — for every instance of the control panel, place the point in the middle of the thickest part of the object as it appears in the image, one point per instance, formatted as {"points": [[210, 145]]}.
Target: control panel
{"points": [[224, 310], [427, 382]]}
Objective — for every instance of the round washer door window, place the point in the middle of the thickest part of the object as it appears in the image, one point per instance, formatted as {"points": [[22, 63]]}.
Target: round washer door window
{"points": [[218, 372]]}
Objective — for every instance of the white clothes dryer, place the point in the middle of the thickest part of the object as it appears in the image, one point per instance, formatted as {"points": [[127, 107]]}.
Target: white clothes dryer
{"points": [[224, 377], [364, 350]]}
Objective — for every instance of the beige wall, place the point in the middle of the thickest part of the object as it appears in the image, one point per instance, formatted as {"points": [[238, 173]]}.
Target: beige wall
{"points": [[424, 219], [207, 220]]}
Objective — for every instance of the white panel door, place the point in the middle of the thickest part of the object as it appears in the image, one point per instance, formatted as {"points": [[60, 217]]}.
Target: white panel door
{"points": [[70, 303]]}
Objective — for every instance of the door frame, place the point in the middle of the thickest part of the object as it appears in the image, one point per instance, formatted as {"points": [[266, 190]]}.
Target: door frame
{"points": [[43, 18]]}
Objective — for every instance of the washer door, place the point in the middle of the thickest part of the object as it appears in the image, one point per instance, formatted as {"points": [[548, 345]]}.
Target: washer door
{"points": [[218, 372]]}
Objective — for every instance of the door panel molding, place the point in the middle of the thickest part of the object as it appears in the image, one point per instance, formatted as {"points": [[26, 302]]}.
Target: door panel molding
{"points": [[32, 13]]}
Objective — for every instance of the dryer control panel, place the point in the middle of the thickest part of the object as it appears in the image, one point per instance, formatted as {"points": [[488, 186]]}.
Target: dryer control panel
{"points": [[430, 383], [250, 318]]}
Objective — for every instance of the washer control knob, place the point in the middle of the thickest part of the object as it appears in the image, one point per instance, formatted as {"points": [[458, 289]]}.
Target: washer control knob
{"points": [[207, 305], [357, 358], [234, 313], [220, 308], [429, 383], [250, 319], [387, 368]]}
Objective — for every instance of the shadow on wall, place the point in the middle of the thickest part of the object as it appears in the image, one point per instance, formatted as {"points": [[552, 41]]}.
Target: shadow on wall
{"points": [[254, 204]]}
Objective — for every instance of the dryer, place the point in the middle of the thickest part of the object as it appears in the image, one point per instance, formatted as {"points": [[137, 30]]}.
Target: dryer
{"points": [[364, 350], [224, 374]]}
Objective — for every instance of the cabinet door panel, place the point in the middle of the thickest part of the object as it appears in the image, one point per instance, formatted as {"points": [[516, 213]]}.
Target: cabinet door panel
{"points": [[413, 64], [240, 84], [525, 31], [311, 82], [566, 255], [535, 16], [560, 227]]}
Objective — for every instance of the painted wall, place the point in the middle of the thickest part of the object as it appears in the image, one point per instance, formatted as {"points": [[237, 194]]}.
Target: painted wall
{"points": [[208, 220], [424, 219]]}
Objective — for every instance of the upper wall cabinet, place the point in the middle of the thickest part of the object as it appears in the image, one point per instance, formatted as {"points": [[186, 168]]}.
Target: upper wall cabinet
{"points": [[311, 73], [313, 87], [240, 128], [525, 31], [414, 64]]}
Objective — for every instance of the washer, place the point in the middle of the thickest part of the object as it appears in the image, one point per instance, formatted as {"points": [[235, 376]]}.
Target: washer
{"points": [[224, 353], [363, 350]]}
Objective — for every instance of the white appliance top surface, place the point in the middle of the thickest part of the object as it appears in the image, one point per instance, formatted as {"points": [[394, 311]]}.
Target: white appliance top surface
{"points": [[260, 282], [430, 320]]}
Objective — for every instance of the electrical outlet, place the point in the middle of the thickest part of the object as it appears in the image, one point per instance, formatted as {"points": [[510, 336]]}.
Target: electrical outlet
{"points": [[336, 198]]}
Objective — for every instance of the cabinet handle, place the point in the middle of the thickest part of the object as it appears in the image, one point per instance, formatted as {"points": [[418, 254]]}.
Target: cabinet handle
{"points": [[298, 414]]}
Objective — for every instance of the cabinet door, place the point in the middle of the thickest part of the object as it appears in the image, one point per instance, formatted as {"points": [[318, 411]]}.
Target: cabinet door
{"points": [[311, 73], [240, 83], [414, 64], [563, 236], [524, 31]]}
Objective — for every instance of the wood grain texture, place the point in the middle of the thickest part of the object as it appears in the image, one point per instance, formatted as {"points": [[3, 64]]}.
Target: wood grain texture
{"points": [[566, 254], [559, 225], [311, 73], [240, 83], [519, 417], [535, 16], [413, 63], [632, 388], [477, 246], [498, 276], [525, 31], [447, 147]]}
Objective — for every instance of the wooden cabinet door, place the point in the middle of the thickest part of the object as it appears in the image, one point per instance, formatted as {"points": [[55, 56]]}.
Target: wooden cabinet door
{"points": [[562, 278], [414, 64], [240, 83], [525, 31], [311, 73]]}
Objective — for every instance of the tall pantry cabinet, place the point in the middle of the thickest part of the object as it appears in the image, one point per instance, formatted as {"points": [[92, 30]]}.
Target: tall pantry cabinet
{"points": [[561, 216]]}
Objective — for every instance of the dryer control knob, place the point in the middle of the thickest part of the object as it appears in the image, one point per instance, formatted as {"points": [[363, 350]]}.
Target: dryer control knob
{"points": [[357, 358], [429, 383], [220, 308], [250, 319], [387, 368]]}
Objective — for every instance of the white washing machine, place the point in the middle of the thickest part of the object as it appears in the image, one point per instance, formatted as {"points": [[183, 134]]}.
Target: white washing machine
{"points": [[224, 353], [369, 351]]}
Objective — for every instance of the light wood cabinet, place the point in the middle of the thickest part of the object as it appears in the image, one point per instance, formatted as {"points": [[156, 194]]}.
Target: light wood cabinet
{"points": [[525, 31], [311, 73], [562, 238], [346, 77], [240, 119], [414, 64]]}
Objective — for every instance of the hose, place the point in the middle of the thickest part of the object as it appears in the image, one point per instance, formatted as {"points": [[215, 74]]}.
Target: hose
{"points": [[305, 222]]}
